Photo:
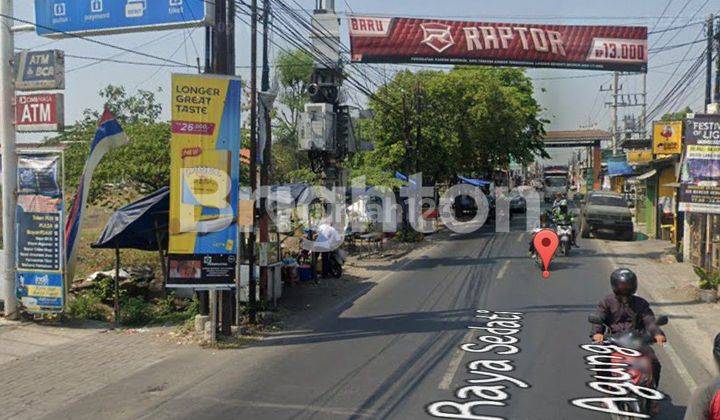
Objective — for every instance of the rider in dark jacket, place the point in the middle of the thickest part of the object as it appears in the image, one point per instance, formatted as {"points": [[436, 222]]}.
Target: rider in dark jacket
{"points": [[705, 401], [622, 311]]}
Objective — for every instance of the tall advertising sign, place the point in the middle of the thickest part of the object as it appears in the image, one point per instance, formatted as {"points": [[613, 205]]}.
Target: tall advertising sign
{"points": [[440, 41], [39, 222], [700, 182], [667, 137], [204, 180]]}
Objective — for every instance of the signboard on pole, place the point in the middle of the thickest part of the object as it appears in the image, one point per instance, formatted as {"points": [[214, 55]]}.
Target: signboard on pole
{"points": [[667, 137], [65, 18], [700, 182], [440, 41], [39, 112], [639, 157], [204, 180], [39, 221], [39, 70]]}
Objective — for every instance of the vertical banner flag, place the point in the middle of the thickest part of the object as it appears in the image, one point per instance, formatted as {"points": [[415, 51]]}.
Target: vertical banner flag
{"points": [[700, 182], [108, 136], [667, 137], [39, 281], [204, 180]]}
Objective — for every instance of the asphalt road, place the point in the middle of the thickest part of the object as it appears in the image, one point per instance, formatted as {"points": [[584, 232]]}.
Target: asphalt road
{"points": [[394, 349]]}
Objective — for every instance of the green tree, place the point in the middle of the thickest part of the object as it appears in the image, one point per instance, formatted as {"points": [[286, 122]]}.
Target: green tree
{"points": [[469, 121], [143, 164], [676, 116], [294, 69]]}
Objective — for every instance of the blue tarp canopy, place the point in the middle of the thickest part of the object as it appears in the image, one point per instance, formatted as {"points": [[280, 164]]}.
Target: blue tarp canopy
{"points": [[618, 166], [403, 177], [298, 193], [474, 182], [135, 226]]}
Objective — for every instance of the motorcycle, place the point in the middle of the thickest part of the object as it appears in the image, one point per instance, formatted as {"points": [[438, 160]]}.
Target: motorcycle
{"points": [[564, 231], [639, 368]]}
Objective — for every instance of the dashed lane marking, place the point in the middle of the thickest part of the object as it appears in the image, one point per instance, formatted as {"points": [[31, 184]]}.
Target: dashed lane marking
{"points": [[503, 269], [454, 364]]}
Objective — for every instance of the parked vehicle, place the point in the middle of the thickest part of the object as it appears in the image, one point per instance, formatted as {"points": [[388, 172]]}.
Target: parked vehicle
{"points": [[639, 368], [606, 210]]}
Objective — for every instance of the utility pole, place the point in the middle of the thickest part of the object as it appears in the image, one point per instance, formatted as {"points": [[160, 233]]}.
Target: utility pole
{"points": [[252, 282], [266, 152], [709, 63], [717, 64], [9, 157], [643, 109], [614, 123]]}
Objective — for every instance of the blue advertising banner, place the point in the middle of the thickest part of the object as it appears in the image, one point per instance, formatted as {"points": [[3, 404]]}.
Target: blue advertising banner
{"points": [[204, 180], [63, 18], [39, 221], [700, 179]]}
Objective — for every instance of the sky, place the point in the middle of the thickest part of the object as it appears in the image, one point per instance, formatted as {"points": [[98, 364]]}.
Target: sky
{"points": [[571, 98]]}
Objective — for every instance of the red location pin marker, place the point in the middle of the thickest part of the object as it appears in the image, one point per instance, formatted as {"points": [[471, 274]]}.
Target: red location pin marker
{"points": [[546, 242]]}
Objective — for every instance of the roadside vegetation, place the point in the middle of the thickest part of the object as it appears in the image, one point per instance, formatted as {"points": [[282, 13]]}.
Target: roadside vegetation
{"points": [[466, 121]]}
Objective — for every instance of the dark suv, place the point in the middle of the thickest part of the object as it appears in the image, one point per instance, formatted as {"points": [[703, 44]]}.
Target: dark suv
{"points": [[606, 210]]}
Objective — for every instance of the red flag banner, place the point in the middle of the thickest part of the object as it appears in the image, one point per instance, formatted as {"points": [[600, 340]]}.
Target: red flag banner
{"points": [[431, 41]]}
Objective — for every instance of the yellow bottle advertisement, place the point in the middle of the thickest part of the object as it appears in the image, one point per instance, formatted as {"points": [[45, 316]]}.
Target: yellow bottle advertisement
{"points": [[204, 180]]}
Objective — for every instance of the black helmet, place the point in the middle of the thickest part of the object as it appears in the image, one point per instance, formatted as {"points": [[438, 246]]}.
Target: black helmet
{"points": [[623, 282]]}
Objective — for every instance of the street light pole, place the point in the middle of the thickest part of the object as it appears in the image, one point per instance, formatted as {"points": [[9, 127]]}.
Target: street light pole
{"points": [[9, 158]]}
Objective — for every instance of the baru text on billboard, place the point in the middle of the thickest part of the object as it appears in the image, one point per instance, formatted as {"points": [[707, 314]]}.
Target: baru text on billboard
{"points": [[407, 40]]}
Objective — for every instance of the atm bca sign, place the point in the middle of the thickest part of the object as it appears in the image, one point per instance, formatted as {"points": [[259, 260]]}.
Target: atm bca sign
{"points": [[39, 112]]}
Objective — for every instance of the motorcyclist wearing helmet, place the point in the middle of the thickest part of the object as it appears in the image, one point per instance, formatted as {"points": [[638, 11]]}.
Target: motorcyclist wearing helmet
{"points": [[543, 224], [561, 213], [623, 311], [705, 401]]}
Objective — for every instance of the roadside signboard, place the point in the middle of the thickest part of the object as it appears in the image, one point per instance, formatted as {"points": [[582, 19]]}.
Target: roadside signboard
{"points": [[700, 181], [39, 112], [440, 41], [39, 221], [639, 157], [39, 70], [204, 180], [667, 137], [65, 18]]}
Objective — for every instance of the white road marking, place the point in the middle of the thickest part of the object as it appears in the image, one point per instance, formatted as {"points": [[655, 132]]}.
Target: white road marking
{"points": [[454, 364], [520, 238], [680, 367], [503, 269]]}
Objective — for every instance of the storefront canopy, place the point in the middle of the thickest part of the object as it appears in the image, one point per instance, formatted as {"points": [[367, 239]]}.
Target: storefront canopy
{"points": [[618, 166], [136, 225]]}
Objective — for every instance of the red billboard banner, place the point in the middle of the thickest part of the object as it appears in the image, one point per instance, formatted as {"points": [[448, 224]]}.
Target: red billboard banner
{"points": [[431, 41], [39, 112]]}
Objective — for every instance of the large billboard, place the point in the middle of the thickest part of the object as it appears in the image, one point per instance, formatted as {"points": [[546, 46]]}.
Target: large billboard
{"points": [[68, 18], [40, 284], [700, 181], [433, 41], [204, 180]]}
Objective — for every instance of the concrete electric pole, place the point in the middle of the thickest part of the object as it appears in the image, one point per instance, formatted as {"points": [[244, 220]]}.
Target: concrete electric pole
{"points": [[614, 121], [9, 157]]}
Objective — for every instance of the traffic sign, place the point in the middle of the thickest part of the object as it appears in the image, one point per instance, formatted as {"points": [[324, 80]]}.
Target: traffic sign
{"points": [[39, 70], [65, 18]]}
